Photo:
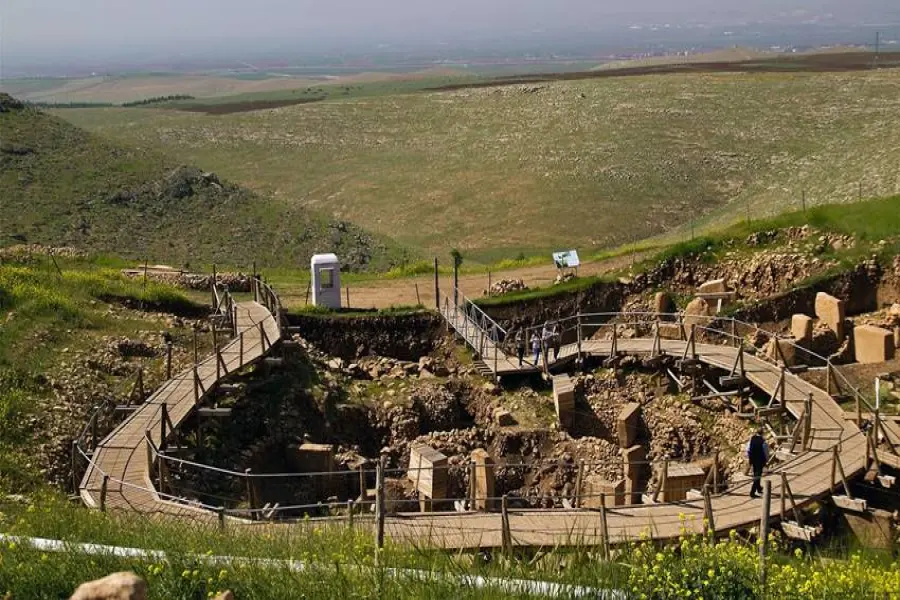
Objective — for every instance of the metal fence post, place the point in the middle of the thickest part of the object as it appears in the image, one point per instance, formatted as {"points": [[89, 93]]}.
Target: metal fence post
{"points": [[764, 530]]}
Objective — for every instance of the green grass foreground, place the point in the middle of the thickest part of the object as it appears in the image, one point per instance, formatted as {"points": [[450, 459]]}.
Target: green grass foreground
{"points": [[340, 563]]}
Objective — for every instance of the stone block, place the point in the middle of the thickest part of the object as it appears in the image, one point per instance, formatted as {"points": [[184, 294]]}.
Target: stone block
{"points": [[715, 286], [118, 586], [428, 471], [670, 331], [680, 479], [627, 424], [802, 328], [695, 314], [484, 479], [785, 351], [872, 528], [314, 458], [564, 400], [663, 304], [594, 485], [634, 467], [873, 344], [831, 311]]}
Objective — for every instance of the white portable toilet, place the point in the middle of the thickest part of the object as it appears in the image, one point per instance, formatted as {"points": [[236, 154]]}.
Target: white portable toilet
{"points": [[326, 280]]}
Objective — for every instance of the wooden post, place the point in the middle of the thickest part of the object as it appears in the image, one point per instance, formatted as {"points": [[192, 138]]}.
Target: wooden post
{"points": [[221, 513], [350, 514], [472, 485], [785, 488], [74, 465], [363, 489], [764, 530], [604, 527], [807, 421], [251, 501], [103, 488], [506, 534], [149, 444], [212, 287], [715, 469], [614, 349], [140, 384], [168, 360], [418, 299], [379, 506], [490, 284], [162, 426], [580, 358], [347, 293], [437, 286], [215, 340], [94, 428], [196, 351], [262, 336], [578, 482], [708, 513]]}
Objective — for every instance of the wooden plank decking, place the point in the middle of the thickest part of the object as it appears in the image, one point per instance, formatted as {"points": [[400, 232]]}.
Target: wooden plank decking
{"points": [[122, 455]]}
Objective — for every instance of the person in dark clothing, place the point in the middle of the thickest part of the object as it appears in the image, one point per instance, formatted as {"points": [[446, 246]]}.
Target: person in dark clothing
{"points": [[758, 455], [520, 346]]}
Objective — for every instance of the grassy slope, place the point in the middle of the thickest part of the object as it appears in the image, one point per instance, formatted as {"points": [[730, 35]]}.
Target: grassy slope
{"points": [[870, 221], [43, 312], [588, 164], [59, 185]]}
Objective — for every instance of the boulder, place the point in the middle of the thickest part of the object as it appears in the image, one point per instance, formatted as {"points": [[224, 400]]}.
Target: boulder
{"points": [[831, 311], [715, 286], [695, 313], [118, 586], [802, 328], [873, 344]]}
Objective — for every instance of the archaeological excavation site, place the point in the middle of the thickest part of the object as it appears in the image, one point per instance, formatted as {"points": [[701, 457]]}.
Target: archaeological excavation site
{"points": [[627, 416]]}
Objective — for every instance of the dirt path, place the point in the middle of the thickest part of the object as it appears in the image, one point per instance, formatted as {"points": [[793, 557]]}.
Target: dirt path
{"points": [[402, 292]]}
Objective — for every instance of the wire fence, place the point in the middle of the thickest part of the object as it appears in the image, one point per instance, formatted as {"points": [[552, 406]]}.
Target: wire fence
{"points": [[348, 495]]}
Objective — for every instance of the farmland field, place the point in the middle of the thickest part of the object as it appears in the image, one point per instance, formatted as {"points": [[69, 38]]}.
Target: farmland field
{"points": [[498, 171]]}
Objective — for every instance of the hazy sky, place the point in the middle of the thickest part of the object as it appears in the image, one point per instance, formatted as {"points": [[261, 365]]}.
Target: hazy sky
{"points": [[63, 27]]}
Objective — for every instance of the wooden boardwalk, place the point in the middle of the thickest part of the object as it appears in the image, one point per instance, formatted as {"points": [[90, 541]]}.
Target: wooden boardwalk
{"points": [[123, 455], [124, 459], [809, 473]]}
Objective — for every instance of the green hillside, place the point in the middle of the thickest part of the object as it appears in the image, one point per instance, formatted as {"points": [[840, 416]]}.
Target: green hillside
{"points": [[64, 186], [590, 163]]}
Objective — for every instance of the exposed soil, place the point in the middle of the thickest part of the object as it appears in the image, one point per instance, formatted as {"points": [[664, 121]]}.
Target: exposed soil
{"points": [[812, 63]]}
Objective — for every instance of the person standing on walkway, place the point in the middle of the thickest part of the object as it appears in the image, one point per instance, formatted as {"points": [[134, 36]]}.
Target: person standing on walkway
{"points": [[536, 347], [520, 345], [557, 340], [758, 455]]}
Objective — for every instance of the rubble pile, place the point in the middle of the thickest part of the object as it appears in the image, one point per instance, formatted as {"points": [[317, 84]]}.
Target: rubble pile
{"points": [[506, 286]]}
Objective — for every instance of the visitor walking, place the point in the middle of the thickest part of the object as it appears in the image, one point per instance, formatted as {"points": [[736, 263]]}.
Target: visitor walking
{"points": [[758, 454], [536, 347], [520, 346]]}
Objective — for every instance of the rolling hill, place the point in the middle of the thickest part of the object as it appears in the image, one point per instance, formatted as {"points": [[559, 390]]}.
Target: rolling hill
{"points": [[61, 185], [532, 167]]}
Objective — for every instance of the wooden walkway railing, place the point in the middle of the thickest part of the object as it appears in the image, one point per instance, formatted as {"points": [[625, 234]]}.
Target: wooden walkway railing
{"points": [[121, 469], [129, 469]]}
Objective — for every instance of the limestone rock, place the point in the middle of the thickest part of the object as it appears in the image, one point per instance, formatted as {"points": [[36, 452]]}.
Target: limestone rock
{"points": [[873, 344], [802, 328], [716, 286], [118, 586], [695, 313], [830, 310]]}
